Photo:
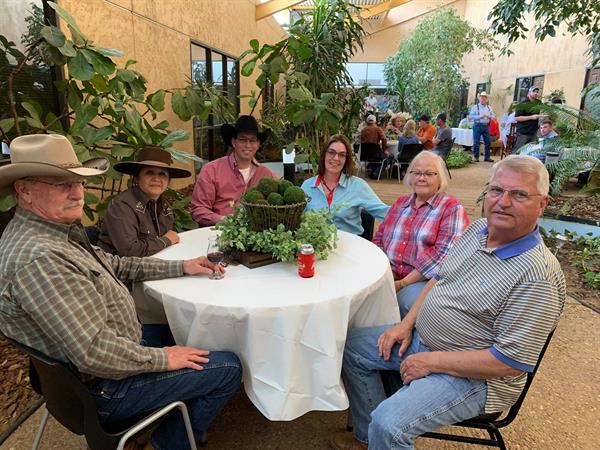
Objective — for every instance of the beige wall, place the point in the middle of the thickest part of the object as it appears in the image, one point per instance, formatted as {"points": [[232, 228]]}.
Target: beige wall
{"points": [[561, 60], [157, 35]]}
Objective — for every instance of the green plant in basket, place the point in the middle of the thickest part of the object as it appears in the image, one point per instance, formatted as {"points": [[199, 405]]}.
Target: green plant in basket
{"points": [[316, 228]]}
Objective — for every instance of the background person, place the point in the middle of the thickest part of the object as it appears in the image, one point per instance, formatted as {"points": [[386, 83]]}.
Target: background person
{"points": [[66, 299], [224, 180], [373, 135], [139, 221], [336, 188], [426, 132], [396, 124], [420, 228], [481, 114], [527, 114], [408, 136], [443, 137]]}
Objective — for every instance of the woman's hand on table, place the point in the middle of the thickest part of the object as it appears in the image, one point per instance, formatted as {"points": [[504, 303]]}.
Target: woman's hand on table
{"points": [[180, 357], [172, 236], [401, 333], [201, 265]]}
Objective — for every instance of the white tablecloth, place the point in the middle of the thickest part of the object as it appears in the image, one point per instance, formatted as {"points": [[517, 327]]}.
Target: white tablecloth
{"points": [[288, 331], [463, 136]]}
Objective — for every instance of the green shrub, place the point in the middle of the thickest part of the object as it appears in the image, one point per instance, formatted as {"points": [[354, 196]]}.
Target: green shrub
{"points": [[293, 195], [275, 199], [267, 185], [252, 195], [458, 158], [283, 185]]}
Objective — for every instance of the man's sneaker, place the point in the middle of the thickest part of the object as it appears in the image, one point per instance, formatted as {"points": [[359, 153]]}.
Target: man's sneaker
{"points": [[489, 160]]}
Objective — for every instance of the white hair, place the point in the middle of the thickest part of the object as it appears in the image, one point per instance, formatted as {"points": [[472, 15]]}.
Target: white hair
{"points": [[525, 164], [440, 168]]}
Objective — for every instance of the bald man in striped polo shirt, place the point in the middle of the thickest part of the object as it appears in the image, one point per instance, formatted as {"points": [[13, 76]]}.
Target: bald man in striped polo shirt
{"points": [[465, 347]]}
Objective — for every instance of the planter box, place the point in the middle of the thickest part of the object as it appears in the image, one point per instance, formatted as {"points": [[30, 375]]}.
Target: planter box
{"points": [[562, 224]]}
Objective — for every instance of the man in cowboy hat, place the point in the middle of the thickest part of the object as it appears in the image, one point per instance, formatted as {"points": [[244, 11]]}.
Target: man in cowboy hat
{"points": [[225, 179], [65, 298], [139, 221], [481, 114]]}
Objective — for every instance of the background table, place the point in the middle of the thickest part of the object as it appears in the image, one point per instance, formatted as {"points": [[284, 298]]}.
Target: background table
{"points": [[463, 136], [288, 331]]}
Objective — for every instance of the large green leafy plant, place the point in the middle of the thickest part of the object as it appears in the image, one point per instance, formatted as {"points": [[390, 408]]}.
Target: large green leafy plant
{"points": [[426, 71], [108, 111], [311, 63]]}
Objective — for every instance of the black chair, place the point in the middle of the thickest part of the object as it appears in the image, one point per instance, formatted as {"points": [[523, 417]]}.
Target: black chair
{"points": [[447, 151], [406, 155], [71, 404], [371, 153], [492, 422], [368, 223]]}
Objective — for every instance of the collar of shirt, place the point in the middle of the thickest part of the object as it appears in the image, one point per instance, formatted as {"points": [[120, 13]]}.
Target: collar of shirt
{"points": [[514, 248], [73, 231], [432, 201], [234, 164], [141, 195]]}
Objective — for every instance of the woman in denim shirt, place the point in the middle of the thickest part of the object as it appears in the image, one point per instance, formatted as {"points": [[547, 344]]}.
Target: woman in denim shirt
{"points": [[336, 188]]}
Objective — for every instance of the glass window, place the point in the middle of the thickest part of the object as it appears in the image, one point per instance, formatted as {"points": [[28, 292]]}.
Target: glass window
{"points": [[375, 76], [222, 71], [21, 23], [199, 74], [480, 88], [523, 84], [591, 102], [358, 73]]}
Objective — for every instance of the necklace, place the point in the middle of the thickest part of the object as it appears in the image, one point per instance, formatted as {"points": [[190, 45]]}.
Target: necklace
{"points": [[328, 188]]}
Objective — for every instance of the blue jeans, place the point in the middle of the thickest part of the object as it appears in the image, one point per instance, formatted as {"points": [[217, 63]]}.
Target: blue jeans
{"points": [[481, 131], [424, 405], [204, 392], [408, 295]]}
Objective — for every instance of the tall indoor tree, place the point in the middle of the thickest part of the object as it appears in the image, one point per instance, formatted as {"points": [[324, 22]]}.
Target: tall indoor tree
{"points": [[312, 61], [427, 71]]}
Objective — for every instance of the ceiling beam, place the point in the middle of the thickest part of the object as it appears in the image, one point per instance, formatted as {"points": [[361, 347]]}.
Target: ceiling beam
{"points": [[389, 23], [271, 7], [381, 8]]}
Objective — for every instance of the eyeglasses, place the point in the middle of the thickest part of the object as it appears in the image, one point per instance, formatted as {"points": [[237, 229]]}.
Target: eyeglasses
{"points": [[247, 140], [515, 194], [332, 154], [63, 187], [417, 174]]}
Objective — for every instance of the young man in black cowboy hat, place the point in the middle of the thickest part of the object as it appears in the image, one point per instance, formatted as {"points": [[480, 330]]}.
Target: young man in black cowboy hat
{"points": [[225, 179]]}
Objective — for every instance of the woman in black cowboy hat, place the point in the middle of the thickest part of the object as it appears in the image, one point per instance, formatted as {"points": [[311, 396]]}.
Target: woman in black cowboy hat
{"points": [[139, 221], [223, 181]]}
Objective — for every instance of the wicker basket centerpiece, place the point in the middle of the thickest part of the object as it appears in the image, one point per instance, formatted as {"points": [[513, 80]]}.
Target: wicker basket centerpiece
{"points": [[272, 203]]}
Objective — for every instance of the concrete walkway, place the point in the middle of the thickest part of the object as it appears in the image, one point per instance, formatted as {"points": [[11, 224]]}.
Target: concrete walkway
{"points": [[560, 412]]}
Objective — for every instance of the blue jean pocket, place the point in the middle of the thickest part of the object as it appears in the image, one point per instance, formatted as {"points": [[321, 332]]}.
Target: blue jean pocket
{"points": [[108, 394]]}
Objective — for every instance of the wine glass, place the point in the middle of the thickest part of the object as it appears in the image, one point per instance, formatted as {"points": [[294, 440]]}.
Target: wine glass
{"points": [[215, 255]]}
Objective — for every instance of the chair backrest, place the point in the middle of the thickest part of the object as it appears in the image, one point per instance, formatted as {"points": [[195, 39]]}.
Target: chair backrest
{"points": [[409, 151], [370, 152], [514, 410], [67, 398], [368, 223]]}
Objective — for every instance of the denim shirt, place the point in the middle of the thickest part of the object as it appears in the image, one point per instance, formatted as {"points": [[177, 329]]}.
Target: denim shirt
{"points": [[351, 195]]}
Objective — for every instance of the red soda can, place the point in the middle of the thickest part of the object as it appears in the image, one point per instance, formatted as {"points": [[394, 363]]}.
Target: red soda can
{"points": [[306, 261]]}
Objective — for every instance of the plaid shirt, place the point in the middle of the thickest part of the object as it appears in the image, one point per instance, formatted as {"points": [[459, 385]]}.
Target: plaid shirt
{"points": [[419, 238], [65, 298]]}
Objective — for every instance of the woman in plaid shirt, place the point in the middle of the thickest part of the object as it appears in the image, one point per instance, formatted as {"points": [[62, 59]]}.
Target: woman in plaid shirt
{"points": [[420, 228]]}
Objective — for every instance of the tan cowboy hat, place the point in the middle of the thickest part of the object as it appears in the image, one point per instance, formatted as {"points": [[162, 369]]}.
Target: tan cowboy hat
{"points": [[483, 94], [151, 156], [46, 155]]}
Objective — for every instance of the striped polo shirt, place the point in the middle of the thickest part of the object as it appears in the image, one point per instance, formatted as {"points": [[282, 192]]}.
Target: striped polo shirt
{"points": [[506, 299]]}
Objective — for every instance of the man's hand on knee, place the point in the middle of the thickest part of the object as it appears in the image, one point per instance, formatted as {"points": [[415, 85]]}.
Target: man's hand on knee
{"points": [[180, 357], [417, 365]]}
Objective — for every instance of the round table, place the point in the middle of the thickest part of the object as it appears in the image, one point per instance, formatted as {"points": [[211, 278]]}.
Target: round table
{"points": [[289, 332]]}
